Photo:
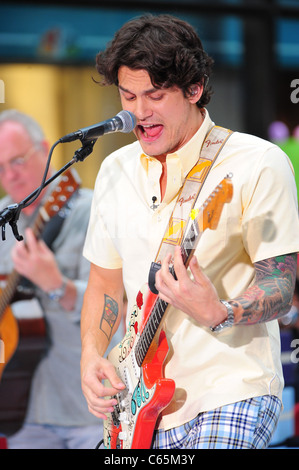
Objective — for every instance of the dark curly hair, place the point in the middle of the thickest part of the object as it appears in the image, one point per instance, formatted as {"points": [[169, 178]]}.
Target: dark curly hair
{"points": [[166, 47]]}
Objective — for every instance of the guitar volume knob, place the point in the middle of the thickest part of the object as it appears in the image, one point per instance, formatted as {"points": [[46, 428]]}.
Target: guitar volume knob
{"points": [[122, 436]]}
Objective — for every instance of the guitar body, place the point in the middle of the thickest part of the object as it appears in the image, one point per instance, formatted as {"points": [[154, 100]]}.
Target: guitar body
{"points": [[23, 345], [9, 335], [147, 393]]}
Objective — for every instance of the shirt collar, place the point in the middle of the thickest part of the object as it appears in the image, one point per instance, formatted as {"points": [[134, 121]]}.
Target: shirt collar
{"points": [[189, 153]]}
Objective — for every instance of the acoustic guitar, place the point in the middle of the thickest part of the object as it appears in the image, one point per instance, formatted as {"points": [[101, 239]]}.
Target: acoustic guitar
{"points": [[9, 325]]}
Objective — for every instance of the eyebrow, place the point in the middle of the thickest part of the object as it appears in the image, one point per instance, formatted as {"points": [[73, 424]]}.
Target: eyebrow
{"points": [[146, 92]]}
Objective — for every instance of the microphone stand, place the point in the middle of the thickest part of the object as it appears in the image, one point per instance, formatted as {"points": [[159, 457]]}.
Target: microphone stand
{"points": [[12, 212]]}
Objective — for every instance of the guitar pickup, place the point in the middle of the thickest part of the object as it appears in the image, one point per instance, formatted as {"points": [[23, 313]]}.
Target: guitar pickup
{"points": [[115, 414], [128, 381]]}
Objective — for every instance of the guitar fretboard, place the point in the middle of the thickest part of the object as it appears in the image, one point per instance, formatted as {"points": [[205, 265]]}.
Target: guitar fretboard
{"points": [[150, 330], [187, 248]]}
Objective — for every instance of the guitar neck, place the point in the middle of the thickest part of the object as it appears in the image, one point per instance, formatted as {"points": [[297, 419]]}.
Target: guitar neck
{"points": [[151, 327], [190, 242], [149, 331]]}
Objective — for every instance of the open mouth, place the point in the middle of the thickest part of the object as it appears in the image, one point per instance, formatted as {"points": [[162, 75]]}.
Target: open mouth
{"points": [[150, 132]]}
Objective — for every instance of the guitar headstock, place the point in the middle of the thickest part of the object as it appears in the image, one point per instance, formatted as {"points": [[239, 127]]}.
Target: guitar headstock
{"points": [[67, 185], [209, 213]]}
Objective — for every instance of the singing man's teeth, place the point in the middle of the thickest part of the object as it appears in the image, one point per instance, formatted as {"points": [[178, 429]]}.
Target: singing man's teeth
{"points": [[148, 126]]}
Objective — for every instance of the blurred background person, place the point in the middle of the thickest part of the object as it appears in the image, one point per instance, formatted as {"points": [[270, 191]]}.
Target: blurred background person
{"points": [[54, 269]]}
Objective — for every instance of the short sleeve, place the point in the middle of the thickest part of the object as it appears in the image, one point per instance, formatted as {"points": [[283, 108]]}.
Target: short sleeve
{"points": [[270, 218]]}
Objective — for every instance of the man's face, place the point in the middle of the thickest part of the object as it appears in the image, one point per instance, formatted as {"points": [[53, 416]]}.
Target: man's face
{"points": [[166, 120], [22, 163]]}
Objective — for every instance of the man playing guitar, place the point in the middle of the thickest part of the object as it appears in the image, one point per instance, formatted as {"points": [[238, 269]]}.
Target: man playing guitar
{"points": [[221, 326]]}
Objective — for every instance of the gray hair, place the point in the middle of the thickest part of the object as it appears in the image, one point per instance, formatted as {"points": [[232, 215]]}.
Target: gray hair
{"points": [[33, 129]]}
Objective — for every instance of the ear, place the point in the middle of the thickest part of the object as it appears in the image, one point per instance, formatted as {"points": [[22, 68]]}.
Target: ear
{"points": [[45, 146], [196, 91]]}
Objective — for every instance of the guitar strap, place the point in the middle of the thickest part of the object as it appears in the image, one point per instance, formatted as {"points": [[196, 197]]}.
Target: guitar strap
{"points": [[54, 226], [187, 197]]}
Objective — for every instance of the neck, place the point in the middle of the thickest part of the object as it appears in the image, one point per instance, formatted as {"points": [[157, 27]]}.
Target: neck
{"points": [[163, 179], [162, 158]]}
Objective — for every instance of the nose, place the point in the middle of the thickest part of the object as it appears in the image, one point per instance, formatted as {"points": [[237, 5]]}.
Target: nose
{"points": [[142, 110]]}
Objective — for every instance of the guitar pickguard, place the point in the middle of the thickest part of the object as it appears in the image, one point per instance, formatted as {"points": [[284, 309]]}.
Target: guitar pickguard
{"points": [[125, 346], [121, 424], [140, 397]]}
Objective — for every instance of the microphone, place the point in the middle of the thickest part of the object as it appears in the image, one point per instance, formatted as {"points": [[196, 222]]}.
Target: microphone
{"points": [[124, 121]]}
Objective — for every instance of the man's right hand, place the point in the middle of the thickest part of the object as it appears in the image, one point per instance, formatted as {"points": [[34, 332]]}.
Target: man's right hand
{"points": [[96, 369]]}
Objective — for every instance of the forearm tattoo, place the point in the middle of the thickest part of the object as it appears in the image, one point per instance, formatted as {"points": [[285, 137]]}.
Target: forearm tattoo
{"points": [[271, 295], [109, 317]]}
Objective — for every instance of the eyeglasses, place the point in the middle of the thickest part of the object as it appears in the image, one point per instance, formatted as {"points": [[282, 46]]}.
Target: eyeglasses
{"points": [[17, 162]]}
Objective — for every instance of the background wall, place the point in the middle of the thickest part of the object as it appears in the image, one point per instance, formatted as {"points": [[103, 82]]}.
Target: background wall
{"points": [[64, 99], [47, 56]]}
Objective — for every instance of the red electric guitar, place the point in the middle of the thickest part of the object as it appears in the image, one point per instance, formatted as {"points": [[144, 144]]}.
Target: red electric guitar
{"points": [[139, 357]]}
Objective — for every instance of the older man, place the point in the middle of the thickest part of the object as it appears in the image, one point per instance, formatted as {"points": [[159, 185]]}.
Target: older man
{"points": [[57, 415]]}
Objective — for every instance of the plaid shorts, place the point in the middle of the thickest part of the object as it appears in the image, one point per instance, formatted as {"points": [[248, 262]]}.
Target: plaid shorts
{"points": [[247, 424]]}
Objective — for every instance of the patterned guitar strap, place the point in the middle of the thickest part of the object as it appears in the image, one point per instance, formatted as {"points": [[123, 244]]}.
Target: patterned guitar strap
{"points": [[173, 236]]}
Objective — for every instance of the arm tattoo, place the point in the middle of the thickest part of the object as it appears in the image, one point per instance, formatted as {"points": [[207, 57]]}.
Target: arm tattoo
{"points": [[271, 295], [109, 317]]}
